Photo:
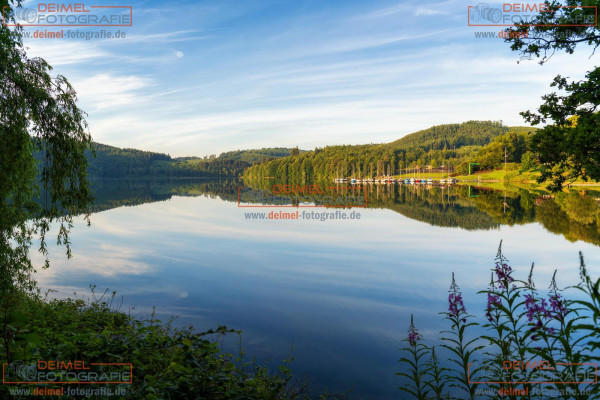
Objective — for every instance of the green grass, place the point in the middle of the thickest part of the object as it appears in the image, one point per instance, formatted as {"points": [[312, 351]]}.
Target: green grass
{"points": [[168, 363], [432, 175], [497, 175], [501, 175]]}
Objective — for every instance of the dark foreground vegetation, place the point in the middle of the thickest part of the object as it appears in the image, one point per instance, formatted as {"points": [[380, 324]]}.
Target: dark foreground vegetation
{"points": [[538, 343], [168, 363]]}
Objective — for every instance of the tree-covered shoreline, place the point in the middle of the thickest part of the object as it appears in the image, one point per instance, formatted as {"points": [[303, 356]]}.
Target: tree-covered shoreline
{"points": [[113, 162], [442, 147]]}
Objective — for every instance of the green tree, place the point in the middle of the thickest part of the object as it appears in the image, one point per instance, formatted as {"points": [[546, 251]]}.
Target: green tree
{"points": [[528, 161], [512, 144], [38, 113], [566, 150]]}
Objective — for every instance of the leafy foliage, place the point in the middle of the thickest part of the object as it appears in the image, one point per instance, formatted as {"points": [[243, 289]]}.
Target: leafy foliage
{"points": [[512, 144], [567, 149], [417, 373], [461, 348], [168, 363], [38, 113], [536, 332]]}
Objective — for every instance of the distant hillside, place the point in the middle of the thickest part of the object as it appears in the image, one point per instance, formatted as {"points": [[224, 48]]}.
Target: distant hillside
{"points": [[258, 155], [114, 162], [471, 133], [443, 145]]}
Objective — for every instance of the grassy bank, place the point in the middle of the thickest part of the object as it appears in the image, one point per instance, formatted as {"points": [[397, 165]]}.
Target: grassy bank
{"points": [[515, 177], [168, 363], [498, 175]]}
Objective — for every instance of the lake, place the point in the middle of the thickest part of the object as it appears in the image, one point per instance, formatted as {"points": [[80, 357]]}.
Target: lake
{"points": [[341, 292]]}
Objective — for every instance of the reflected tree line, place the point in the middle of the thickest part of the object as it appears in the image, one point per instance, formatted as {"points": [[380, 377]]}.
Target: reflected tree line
{"points": [[114, 193], [574, 214]]}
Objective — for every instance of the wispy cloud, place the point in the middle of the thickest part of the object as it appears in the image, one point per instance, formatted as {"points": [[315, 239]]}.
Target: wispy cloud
{"points": [[66, 52], [407, 8], [104, 91], [429, 11], [209, 77], [387, 11], [167, 37]]}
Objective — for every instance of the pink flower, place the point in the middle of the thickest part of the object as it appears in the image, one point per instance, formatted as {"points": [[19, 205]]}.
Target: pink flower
{"points": [[413, 335]]}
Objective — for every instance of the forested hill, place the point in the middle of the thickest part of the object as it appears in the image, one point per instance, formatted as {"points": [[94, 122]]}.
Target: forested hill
{"points": [[440, 145], [259, 155], [114, 162], [443, 145], [472, 133]]}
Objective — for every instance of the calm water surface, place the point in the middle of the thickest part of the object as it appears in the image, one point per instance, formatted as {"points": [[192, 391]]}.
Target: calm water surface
{"points": [[340, 291]]}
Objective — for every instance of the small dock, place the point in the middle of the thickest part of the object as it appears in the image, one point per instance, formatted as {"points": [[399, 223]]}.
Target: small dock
{"points": [[393, 181]]}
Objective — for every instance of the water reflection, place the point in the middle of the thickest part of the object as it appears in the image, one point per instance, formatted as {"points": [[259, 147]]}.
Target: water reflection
{"points": [[573, 214], [341, 291]]}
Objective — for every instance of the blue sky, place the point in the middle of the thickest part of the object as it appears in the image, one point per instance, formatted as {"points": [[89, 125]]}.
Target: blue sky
{"points": [[203, 77]]}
